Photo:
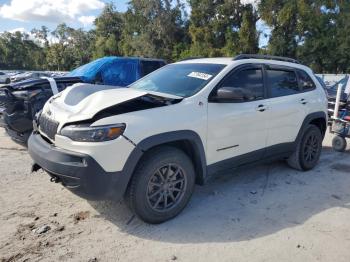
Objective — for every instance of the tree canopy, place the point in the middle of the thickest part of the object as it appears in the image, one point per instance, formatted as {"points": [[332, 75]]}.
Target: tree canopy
{"points": [[312, 31]]}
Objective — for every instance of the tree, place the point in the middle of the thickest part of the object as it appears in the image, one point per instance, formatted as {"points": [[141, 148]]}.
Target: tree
{"points": [[222, 27], [41, 35], [153, 28], [248, 35], [74, 47], [17, 51], [109, 26]]}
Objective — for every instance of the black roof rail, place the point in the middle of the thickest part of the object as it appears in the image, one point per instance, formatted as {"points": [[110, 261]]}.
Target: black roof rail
{"points": [[270, 57]]}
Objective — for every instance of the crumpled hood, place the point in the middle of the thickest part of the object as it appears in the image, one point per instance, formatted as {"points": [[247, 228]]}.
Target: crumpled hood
{"points": [[83, 101]]}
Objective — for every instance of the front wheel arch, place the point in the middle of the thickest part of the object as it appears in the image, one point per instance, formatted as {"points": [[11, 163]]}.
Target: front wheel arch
{"points": [[186, 140]]}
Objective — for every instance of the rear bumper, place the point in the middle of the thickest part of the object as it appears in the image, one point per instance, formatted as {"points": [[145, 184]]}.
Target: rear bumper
{"points": [[78, 172]]}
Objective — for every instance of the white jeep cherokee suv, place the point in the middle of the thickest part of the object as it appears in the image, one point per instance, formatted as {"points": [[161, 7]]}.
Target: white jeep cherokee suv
{"points": [[151, 142]]}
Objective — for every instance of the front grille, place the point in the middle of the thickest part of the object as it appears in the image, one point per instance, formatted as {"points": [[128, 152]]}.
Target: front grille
{"points": [[48, 126]]}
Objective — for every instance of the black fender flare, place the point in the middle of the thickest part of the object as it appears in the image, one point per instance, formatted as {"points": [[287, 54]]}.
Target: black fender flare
{"points": [[160, 139], [308, 119]]}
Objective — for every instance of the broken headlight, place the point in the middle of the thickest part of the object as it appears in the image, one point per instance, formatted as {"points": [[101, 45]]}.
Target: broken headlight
{"points": [[86, 133]]}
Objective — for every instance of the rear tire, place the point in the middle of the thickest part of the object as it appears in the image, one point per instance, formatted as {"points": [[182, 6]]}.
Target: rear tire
{"points": [[162, 185], [339, 143], [308, 150]]}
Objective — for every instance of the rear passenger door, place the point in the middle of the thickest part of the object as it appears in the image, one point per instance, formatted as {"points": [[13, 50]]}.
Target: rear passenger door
{"points": [[285, 105], [311, 100]]}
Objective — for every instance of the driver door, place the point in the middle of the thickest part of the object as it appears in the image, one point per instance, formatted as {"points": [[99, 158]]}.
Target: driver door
{"points": [[237, 130]]}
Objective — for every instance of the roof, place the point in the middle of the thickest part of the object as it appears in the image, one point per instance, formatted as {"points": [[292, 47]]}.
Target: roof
{"points": [[231, 61]]}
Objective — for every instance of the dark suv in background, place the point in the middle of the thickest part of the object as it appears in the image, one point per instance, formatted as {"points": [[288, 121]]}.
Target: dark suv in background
{"points": [[19, 102]]}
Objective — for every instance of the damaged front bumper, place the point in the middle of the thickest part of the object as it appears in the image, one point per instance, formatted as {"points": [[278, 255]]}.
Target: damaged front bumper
{"points": [[78, 172]]}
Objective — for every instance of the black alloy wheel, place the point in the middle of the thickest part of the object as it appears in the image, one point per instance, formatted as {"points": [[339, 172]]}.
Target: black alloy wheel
{"points": [[311, 148], [166, 188], [162, 184]]}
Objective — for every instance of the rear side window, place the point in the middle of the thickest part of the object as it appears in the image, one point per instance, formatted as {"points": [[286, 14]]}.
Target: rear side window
{"points": [[282, 82], [1, 74], [250, 79], [150, 66], [305, 80]]}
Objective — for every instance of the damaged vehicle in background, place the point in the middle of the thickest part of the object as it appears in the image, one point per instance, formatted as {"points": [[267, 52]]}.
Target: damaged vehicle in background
{"points": [[19, 102]]}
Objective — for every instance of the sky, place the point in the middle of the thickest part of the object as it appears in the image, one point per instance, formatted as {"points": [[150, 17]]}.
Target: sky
{"points": [[29, 14], [24, 15]]}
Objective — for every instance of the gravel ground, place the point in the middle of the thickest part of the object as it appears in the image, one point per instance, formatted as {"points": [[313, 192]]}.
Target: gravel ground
{"points": [[263, 213]]}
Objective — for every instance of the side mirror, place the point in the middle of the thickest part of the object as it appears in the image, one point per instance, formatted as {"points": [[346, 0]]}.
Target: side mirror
{"points": [[232, 94]]}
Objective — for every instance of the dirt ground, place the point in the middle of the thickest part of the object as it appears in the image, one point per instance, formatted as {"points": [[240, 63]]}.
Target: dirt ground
{"points": [[264, 213]]}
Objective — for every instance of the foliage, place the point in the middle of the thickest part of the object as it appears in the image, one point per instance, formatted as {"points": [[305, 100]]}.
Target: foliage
{"points": [[152, 28], [109, 26], [314, 31]]}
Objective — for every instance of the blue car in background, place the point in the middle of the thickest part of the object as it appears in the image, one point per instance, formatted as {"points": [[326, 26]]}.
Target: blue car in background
{"points": [[19, 102], [116, 71]]}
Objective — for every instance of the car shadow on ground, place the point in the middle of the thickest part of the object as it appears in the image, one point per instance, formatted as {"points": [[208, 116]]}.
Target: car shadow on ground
{"points": [[246, 204]]}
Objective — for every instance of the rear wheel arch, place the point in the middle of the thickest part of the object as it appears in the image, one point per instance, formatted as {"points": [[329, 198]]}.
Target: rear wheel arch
{"points": [[321, 123], [318, 119]]}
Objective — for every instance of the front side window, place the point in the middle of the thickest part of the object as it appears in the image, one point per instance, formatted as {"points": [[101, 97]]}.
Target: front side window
{"points": [[305, 80], [250, 79], [179, 79], [282, 82]]}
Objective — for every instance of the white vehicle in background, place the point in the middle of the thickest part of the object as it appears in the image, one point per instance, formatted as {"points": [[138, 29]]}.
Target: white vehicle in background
{"points": [[4, 78], [175, 127], [28, 75]]}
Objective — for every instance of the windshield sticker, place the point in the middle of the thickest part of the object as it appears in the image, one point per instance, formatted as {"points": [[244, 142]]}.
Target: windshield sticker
{"points": [[200, 75]]}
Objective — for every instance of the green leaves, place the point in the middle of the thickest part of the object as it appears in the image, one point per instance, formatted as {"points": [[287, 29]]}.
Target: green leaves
{"points": [[314, 31]]}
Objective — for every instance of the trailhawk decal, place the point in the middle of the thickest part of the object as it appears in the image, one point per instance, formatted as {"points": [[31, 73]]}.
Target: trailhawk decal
{"points": [[200, 75]]}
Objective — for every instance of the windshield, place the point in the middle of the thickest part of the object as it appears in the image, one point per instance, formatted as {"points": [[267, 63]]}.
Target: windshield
{"points": [[109, 71], [88, 69], [179, 79]]}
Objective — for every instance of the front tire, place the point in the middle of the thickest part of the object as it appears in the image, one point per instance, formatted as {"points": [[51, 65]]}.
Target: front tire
{"points": [[162, 185], [7, 81], [308, 150], [339, 143]]}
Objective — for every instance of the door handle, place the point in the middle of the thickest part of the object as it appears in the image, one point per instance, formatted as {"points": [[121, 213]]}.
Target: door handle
{"points": [[303, 101], [261, 108]]}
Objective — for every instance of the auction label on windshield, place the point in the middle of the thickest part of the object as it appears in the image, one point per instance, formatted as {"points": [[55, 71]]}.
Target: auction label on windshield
{"points": [[200, 75]]}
